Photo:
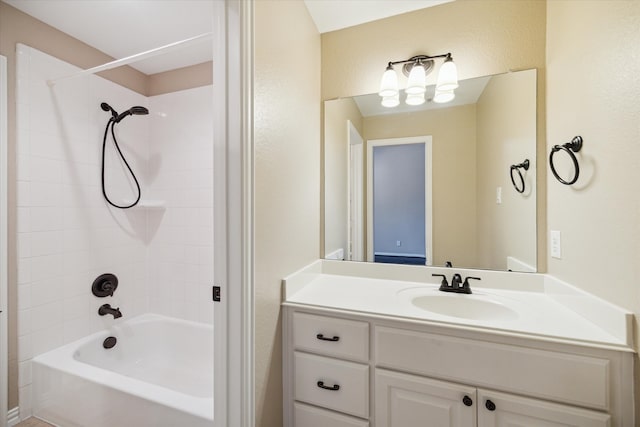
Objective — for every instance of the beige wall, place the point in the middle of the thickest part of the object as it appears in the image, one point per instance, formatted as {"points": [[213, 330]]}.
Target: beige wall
{"points": [[287, 177], [485, 37], [593, 90], [506, 135], [336, 164], [180, 79], [454, 171]]}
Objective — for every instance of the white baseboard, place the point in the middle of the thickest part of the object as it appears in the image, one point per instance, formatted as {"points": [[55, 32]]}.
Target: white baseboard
{"points": [[400, 254], [13, 417]]}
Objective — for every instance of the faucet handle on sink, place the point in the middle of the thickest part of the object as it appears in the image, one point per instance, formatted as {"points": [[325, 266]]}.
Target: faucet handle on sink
{"points": [[443, 284], [465, 286]]}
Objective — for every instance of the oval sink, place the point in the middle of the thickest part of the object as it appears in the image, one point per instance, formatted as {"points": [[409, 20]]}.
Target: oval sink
{"points": [[464, 306]]}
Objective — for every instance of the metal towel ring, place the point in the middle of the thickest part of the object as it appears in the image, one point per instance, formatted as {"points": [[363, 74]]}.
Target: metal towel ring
{"points": [[524, 165], [570, 147]]}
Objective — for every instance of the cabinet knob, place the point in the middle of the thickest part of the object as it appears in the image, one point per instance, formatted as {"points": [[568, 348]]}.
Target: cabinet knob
{"points": [[334, 387], [490, 405], [323, 338], [467, 401]]}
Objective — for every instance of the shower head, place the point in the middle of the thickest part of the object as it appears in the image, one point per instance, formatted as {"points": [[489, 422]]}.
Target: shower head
{"points": [[107, 107], [137, 110]]}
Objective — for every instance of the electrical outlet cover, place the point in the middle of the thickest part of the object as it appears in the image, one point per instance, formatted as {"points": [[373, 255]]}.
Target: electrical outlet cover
{"points": [[556, 244]]}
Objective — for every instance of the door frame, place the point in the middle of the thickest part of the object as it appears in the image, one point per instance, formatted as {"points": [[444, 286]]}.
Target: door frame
{"points": [[233, 214], [4, 229], [355, 217], [428, 197]]}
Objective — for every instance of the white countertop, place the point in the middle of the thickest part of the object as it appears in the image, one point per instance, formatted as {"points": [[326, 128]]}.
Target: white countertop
{"points": [[542, 307]]}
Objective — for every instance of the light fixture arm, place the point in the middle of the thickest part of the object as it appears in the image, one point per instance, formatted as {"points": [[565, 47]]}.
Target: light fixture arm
{"points": [[420, 58]]}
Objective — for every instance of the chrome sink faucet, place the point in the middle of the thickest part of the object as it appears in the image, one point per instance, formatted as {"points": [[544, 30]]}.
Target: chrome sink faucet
{"points": [[457, 285]]}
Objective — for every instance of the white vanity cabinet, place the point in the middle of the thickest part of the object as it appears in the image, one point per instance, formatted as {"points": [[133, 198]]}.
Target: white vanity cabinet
{"points": [[329, 361], [504, 410], [398, 373], [407, 400]]}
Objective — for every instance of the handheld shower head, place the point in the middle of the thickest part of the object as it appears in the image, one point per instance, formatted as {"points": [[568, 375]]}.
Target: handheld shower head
{"points": [[107, 107], [137, 110]]}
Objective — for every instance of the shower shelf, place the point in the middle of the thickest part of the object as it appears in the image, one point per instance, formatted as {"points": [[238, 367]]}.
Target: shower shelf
{"points": [[151, 204]]}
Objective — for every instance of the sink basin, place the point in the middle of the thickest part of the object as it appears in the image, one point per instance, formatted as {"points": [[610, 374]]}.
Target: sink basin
{"points": [[464, 306]]}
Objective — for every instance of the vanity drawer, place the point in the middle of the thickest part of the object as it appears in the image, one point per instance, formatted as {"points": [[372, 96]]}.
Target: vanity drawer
{"points": [[346, 339], [351, 379], [569, 378], [310, 416]]}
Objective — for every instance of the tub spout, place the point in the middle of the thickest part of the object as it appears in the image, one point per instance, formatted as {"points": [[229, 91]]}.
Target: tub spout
{"points": [[107, 309]]}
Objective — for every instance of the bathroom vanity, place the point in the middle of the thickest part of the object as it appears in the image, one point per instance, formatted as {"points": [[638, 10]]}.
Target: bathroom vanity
{"points": [[379, 345]]}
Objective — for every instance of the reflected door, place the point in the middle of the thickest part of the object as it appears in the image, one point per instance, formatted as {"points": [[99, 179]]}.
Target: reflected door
{"points": [[356, 208], [399, 226]]}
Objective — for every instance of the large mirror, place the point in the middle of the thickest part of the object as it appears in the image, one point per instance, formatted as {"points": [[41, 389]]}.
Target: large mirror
{"points": [[435, 184]]}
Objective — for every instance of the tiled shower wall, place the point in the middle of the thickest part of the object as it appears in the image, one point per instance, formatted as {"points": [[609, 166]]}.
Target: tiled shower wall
{"points": [[68, 235], [180, 173]]}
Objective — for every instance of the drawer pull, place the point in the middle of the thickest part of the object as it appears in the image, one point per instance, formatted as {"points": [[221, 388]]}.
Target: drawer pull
{"points": [[323, 338], [467, 401], [490, 405], [335, 387]]}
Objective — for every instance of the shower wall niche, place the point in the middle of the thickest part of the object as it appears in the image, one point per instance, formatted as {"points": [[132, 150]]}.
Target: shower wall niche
{"points": [[161, 251]]}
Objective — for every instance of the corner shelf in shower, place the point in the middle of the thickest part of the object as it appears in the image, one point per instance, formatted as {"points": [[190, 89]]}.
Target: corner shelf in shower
{"points": [[151, 204]]}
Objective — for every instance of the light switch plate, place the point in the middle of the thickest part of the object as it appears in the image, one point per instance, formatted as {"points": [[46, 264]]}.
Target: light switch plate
{"points": [[498, 195], [556, 244]]}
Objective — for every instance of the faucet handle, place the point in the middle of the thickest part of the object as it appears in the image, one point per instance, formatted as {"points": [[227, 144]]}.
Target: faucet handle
{"points": [[466, 280], [443, 284], [465, 286]]}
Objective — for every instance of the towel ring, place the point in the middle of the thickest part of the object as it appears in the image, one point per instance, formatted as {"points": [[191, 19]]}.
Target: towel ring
{"points": [[524, 165], [570, 147]]}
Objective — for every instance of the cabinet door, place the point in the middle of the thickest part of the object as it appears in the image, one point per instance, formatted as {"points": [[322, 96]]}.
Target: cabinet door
{"points": [[410, 401], [504, 410]]}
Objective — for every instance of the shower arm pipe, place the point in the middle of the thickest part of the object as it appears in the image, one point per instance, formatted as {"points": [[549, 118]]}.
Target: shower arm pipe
{"points": [[134, 58]]}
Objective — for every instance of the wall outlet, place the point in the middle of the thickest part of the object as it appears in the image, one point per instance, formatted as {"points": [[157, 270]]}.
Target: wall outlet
{"points": [[398, 243], [556, 244], [498, 195]]}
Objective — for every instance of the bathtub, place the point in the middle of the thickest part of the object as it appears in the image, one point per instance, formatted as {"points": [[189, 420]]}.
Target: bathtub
{"points": [[159, 374]]}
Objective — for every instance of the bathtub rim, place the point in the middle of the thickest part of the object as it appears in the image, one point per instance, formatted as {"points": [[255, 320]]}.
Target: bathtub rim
{"points": [[62, 359]]}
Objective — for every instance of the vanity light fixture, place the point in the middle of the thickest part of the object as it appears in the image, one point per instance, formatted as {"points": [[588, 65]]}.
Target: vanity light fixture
{"points": [[391, 101], [443, 96], [416, 69], [414, 99]]}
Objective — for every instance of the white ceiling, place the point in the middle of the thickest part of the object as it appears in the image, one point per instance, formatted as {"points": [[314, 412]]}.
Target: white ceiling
{"points": [[121, 28], [468, 93], [331, 15]]}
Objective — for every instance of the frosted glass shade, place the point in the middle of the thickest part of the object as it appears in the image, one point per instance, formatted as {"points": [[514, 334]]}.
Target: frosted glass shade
{"points": [[389, 83], [417, 80], [443, 96], [447, 76], [391, 101], [415, 99]]}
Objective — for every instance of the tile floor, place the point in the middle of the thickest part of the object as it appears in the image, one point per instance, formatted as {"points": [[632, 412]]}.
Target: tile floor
{"points": [[33, 422]]}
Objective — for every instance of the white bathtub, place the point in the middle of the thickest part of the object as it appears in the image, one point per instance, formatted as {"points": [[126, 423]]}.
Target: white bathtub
{"points": [[159, 374]]}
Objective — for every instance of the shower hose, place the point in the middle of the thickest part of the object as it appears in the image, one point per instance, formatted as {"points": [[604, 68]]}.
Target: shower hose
{"points": [[112, 123]]}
